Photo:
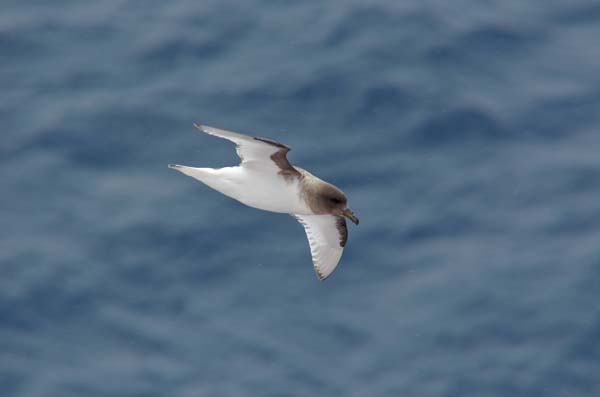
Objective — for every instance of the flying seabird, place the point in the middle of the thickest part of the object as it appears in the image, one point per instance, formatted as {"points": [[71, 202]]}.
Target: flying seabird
{"points": [[266, 180]]}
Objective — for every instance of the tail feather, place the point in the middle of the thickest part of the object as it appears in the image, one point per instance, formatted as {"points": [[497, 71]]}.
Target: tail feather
{"points": [[202, 174], [211, 177]]}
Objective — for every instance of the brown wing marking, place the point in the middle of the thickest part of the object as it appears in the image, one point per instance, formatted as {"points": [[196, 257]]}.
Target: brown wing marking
{"points": [[286, 170], [340, 223]]}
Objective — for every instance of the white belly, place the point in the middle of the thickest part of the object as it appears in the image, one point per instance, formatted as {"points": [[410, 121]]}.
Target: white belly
{"points": [[259, 189]]}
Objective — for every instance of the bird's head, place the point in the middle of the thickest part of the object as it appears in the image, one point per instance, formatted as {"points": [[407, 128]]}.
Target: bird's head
{"points": [[334, 202]]}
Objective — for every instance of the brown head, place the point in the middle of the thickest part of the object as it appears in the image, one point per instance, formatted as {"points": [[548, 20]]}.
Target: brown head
{"points": [[328, 199]]}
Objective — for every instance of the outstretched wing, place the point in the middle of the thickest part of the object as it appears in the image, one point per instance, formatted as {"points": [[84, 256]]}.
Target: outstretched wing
{"points": [[327, 235], [254, 151]]}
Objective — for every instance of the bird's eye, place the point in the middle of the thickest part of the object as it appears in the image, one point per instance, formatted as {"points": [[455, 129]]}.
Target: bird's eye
{"points": [[335, 200]]}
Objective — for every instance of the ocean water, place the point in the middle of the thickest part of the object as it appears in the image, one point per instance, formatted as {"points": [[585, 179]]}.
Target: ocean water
{"points": [[466, 135]]}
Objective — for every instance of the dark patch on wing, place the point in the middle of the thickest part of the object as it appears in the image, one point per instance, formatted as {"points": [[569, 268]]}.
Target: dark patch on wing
{"points": [[286, 170], [340, 223], [272, 142]]}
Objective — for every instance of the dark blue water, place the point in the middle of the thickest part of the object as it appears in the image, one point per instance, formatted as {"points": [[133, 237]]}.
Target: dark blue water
{"points": [[466, 135]]}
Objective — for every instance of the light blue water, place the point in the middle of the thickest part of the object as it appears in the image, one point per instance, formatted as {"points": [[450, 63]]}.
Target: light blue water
{"points": [[465, 133]]}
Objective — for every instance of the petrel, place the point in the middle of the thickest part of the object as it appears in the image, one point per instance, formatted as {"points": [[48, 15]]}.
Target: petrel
{"points": [[266, 180]]}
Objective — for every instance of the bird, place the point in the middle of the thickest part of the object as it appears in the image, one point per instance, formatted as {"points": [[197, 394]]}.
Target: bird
{"points": [[266, 180]]}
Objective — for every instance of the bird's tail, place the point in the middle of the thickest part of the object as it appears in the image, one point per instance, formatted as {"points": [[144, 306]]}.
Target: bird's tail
{"points": [[211, 177], [204, 175]]}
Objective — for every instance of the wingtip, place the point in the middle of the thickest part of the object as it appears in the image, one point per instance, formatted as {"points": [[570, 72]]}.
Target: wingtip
{"points": [[320, 276], [201, 127], [174, 166]]}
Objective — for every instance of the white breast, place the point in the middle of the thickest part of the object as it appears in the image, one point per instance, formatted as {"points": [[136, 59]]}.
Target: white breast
{"points": [[262, 189]]}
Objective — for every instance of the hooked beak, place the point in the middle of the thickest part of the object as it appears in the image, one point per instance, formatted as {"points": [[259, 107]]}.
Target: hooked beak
{"points": [[350, 215]]}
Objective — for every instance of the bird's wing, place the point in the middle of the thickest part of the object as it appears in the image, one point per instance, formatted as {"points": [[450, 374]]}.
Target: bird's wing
{"points": [[254, 151], [327, 235]]}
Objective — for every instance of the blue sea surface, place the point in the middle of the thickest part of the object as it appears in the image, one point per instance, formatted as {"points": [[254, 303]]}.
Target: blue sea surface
{"points": [[466, 135]]}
